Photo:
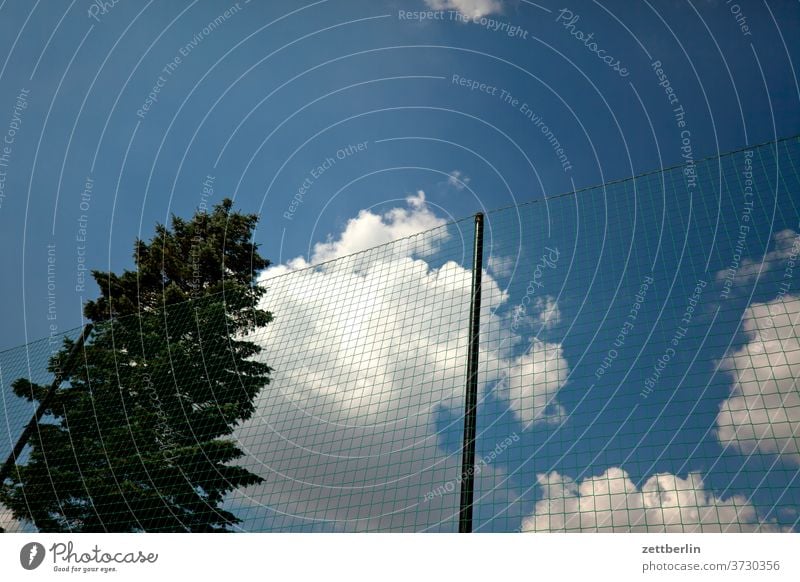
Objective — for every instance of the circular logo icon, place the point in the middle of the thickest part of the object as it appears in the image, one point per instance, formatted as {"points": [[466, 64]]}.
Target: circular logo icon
{"points": [[31, 555]]}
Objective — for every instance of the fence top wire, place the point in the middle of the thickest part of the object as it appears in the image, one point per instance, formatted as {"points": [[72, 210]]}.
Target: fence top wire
{"points": [[450, 223], [662, 170]]}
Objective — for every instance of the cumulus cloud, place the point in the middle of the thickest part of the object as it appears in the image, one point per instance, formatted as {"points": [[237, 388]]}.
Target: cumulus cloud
{"points": [[368, 230], [369, 352], [611, 502], [762, 414], [469, 8], [743, 271], [458, 180]]}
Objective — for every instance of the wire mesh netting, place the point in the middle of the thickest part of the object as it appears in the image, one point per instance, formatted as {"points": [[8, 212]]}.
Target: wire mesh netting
{"points": [[637, 372], [28, 361], [363, 418], [645, 351]]}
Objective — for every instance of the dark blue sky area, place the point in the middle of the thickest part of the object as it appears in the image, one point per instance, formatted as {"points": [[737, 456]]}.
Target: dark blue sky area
{"points": [[148, 100]]}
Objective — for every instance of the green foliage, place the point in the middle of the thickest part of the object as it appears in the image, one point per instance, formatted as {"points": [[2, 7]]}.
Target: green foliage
{"points": [[135, 438]]}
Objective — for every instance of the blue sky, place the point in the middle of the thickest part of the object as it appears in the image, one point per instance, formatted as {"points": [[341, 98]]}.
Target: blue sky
{"points": [[388, 79], [312, 113]]}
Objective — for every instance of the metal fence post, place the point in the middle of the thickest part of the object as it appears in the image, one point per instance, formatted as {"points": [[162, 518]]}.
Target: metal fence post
{"points": [[471, 396]]}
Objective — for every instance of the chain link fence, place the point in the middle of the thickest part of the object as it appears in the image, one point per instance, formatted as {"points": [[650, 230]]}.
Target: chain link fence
{"points": [[638, 360]]}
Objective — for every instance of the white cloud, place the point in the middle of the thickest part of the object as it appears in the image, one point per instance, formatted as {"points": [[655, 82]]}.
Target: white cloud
{"points": [[548, 315], [611, 502], [469, 8], [500, 266], [533, 382], [7, 521], [366, 350], [543, 313], [369, 230], [458, 180], [762, 413], [786, 245]]}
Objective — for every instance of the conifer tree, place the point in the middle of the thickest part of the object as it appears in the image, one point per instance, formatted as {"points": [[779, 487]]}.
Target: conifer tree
{"points": [[138, 437]]}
